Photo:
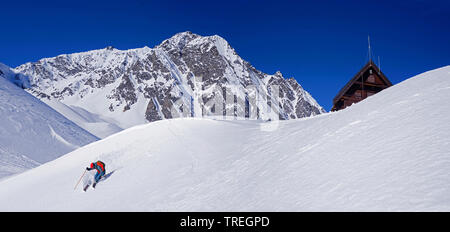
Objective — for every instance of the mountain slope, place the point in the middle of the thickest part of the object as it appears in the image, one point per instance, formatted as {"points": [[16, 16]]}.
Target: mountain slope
{"points": [[31, 133], [178, 78], [389, 152]]}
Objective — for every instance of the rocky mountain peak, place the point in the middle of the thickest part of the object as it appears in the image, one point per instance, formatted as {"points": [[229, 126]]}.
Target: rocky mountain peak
{"points": [[278, 74], [179, 40]]}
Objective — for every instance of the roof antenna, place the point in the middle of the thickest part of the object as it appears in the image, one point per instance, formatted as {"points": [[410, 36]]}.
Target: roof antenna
{"points": [[379, 65], [370, 55]]}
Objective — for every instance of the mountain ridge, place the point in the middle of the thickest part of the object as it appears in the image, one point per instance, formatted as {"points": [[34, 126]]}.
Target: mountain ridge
{"points": [[187, 75]]}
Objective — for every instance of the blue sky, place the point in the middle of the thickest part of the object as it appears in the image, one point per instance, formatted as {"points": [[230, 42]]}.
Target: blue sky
{"points": [[320, 43]]}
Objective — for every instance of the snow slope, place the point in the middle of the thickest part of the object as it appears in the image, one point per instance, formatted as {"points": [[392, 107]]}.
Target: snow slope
{"points": [[390, 152], [96, 124], [32, 133]]}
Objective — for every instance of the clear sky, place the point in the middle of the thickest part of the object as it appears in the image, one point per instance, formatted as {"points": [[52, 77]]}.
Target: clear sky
{"points": [[322, 44]]}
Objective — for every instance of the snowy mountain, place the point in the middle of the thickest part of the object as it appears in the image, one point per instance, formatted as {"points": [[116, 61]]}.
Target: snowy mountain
{"points": [[18, 79], [31, 133], [390, 152], [187, 75]]}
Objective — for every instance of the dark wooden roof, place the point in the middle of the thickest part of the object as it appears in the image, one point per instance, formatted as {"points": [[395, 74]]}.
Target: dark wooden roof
{"points": [[357, 76]]}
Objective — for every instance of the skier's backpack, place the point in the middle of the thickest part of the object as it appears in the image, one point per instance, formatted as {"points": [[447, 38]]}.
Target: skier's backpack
{"points": [[101, 164]]}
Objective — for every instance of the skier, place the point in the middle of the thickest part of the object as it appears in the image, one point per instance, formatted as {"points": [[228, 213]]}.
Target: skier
{"points": [[100, 167]]}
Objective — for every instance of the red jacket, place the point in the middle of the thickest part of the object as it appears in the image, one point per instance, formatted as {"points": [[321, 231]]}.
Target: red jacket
{"points": [[99, 165]]}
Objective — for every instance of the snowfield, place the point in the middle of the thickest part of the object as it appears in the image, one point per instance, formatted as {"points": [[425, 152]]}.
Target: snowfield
{"points": [[390, 152]]}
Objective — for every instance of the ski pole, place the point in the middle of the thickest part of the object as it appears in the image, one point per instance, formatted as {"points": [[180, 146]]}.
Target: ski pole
{"points": [[79, 179]]}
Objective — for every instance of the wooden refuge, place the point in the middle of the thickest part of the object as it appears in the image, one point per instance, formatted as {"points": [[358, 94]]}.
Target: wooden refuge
{"points": [[368, 81]]}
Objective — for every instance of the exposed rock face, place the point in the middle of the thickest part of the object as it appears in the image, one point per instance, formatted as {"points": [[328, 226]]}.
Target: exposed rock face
{"points": [[179, 77]]}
